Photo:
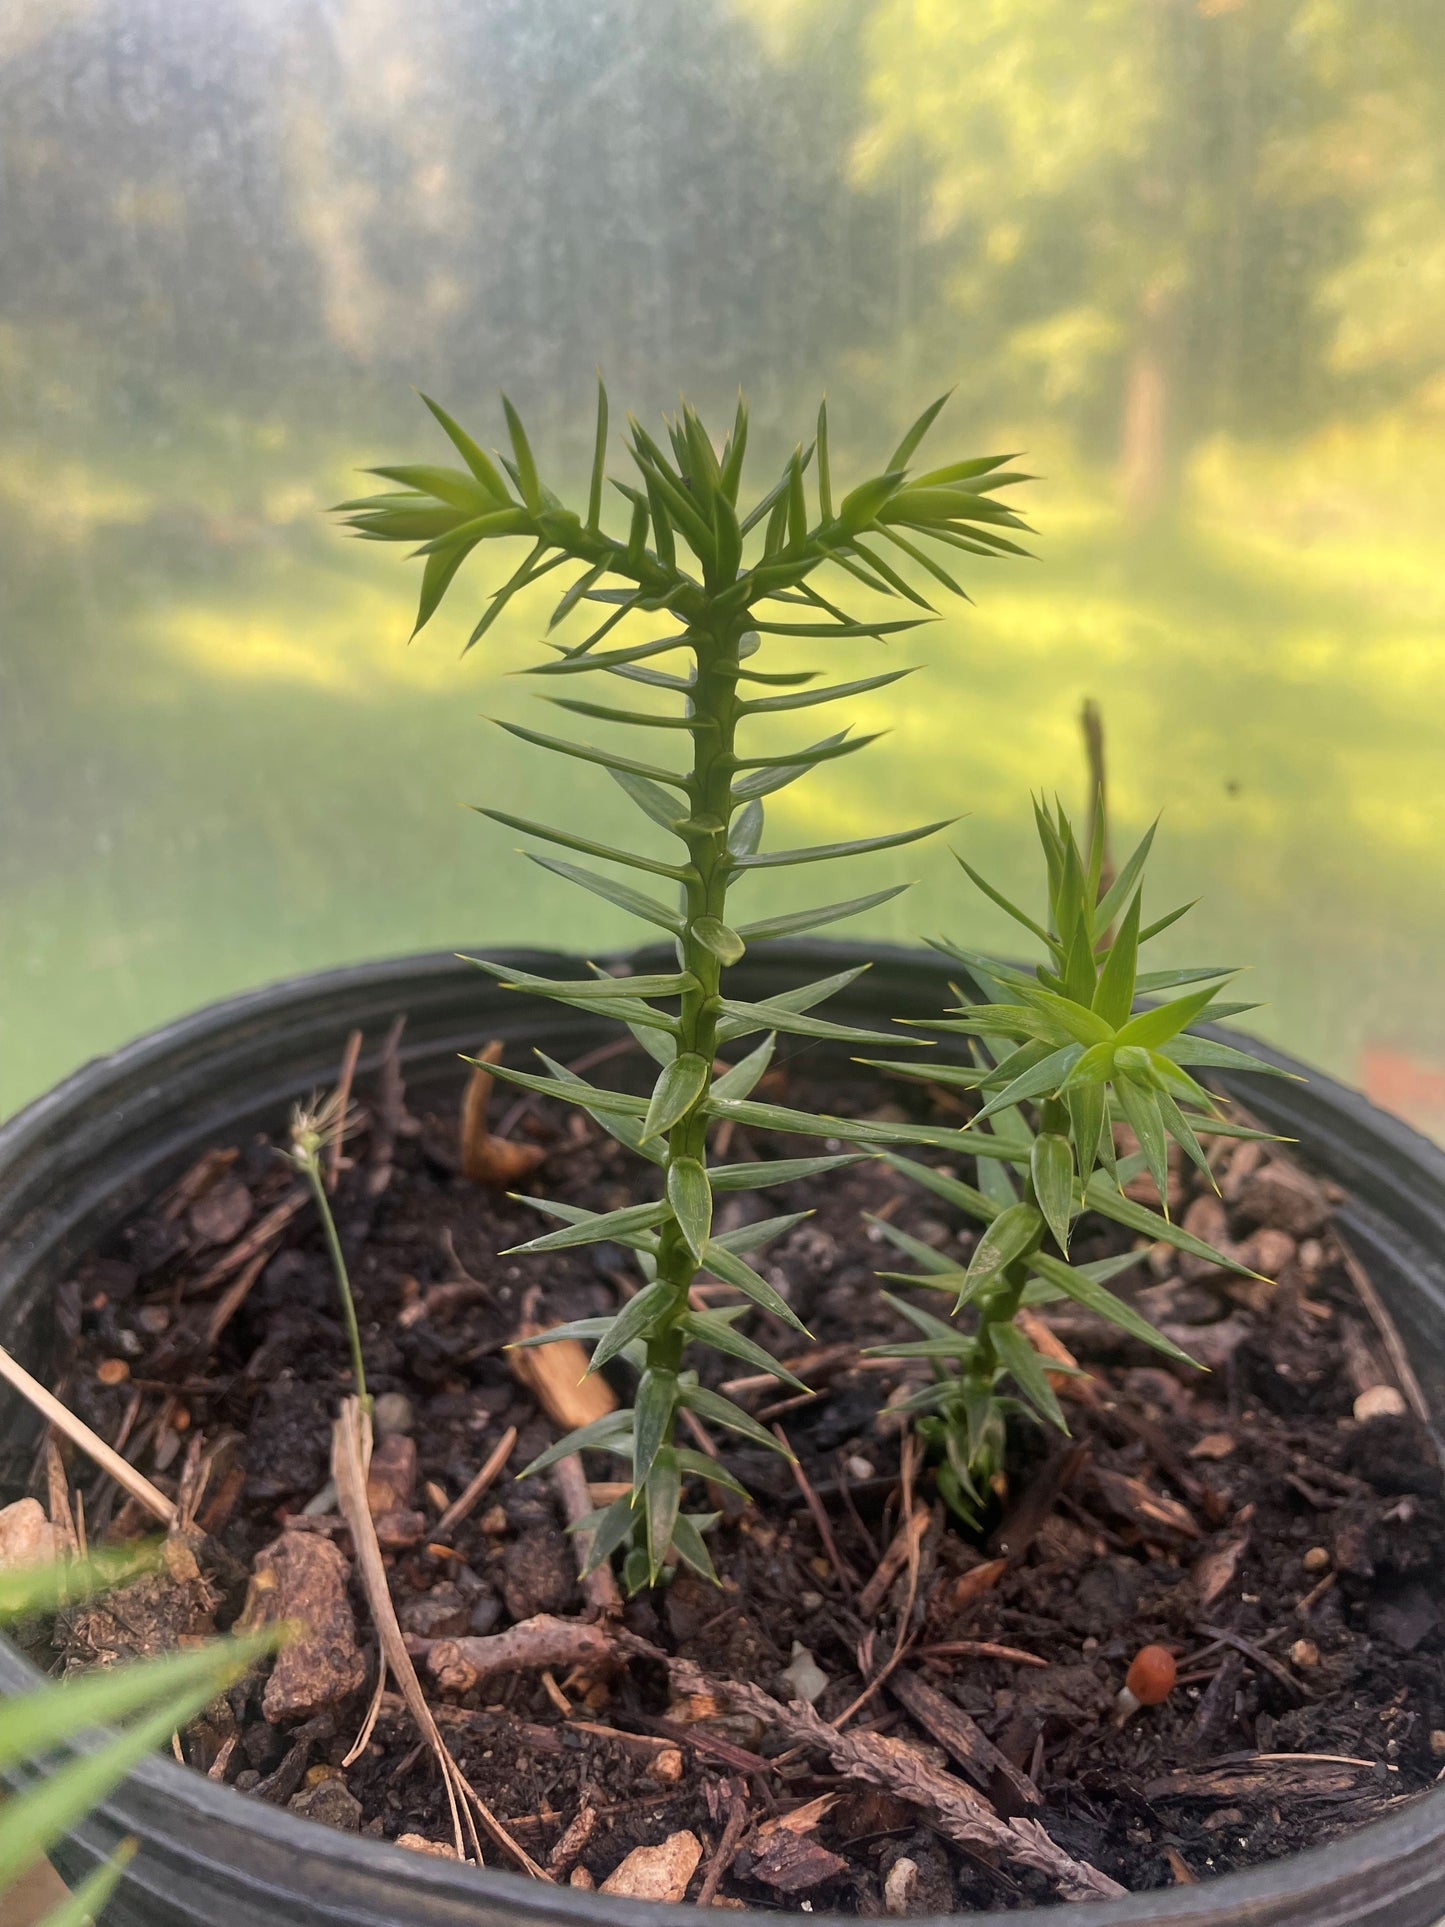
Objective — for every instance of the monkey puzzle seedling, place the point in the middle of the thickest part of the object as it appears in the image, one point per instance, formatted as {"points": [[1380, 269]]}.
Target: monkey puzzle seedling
{"points": [[315, 1128], [751, 581], [1065, 1041]]}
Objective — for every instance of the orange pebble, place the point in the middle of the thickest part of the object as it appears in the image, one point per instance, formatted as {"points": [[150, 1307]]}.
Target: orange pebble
{"points": [[1151, 1675], [112, 1371], [180, 1419]]}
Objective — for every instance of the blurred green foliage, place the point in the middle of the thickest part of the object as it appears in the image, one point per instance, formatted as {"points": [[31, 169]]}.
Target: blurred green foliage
{"points": [[1191, 248]]}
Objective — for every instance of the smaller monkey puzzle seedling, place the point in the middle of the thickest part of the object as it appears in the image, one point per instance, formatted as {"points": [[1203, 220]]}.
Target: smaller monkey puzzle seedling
{"points": [[315, 1129], [1065, 1041]]}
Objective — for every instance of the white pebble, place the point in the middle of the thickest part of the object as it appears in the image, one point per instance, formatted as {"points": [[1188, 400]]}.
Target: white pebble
{"points": [[900, 1886], [804, 1677], [392, 1414], [1380, 1401]]}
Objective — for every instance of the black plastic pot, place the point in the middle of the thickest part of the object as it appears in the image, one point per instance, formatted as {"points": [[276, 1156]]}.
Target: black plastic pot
{"points": [[75, 1163]]}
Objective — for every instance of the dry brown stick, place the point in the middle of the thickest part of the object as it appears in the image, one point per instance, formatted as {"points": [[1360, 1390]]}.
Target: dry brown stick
{"points": [[462, 1507], [245, 1249], [727, 1847], [846, 1575], [79, 1433], [599, 1585], [1394, 1345], [980, 1649], [350, 1452], [459, 1664], [233, 1297], [960, 1813], [343, 1104]]}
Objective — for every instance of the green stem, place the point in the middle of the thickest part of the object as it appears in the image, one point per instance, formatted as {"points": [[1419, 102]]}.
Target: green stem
{"points": [[311, 1165], [716, 708], [1001, 1305]]}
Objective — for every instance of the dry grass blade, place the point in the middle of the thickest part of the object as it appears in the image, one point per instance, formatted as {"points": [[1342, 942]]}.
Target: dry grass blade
{"points": [[350, 1452], [79, 1433], [847, 1578], [1390, 1338]]}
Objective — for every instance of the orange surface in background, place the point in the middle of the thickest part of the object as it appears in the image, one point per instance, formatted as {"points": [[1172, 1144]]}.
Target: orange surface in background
{"points": [[1411, 1087], [32, 1898]]}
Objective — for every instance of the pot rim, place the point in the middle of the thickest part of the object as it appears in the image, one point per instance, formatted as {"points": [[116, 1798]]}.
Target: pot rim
{"points": [[1416, 1833]]}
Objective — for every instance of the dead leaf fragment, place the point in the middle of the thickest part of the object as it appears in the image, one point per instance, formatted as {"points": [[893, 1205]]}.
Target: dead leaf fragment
{"points": [[1215, 1570]]}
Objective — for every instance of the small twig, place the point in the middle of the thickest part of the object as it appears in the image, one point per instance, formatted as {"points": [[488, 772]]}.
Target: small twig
{"points": [[1304, 1606], [233, 1297], [980, 1649], [462, 1507], [727, 1847], [902, 1550], [343, 1104], [389, 1112], [258, 1238], [845, 1486], [373, 1713], [846, 1575], [79, 1433], [544, 1640], [1257, 1656], [599, 1585]]}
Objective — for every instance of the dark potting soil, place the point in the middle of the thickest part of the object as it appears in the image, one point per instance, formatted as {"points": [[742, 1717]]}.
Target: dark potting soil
{"points": [[1284, 1545]]}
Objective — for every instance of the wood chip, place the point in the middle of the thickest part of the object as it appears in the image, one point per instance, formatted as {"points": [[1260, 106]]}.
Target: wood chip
{"points": [[301, 1578], [1131, 1500], [557, 1376], [657, 1873], [1215, 1570], [960, 1736], [495, 1162]]}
